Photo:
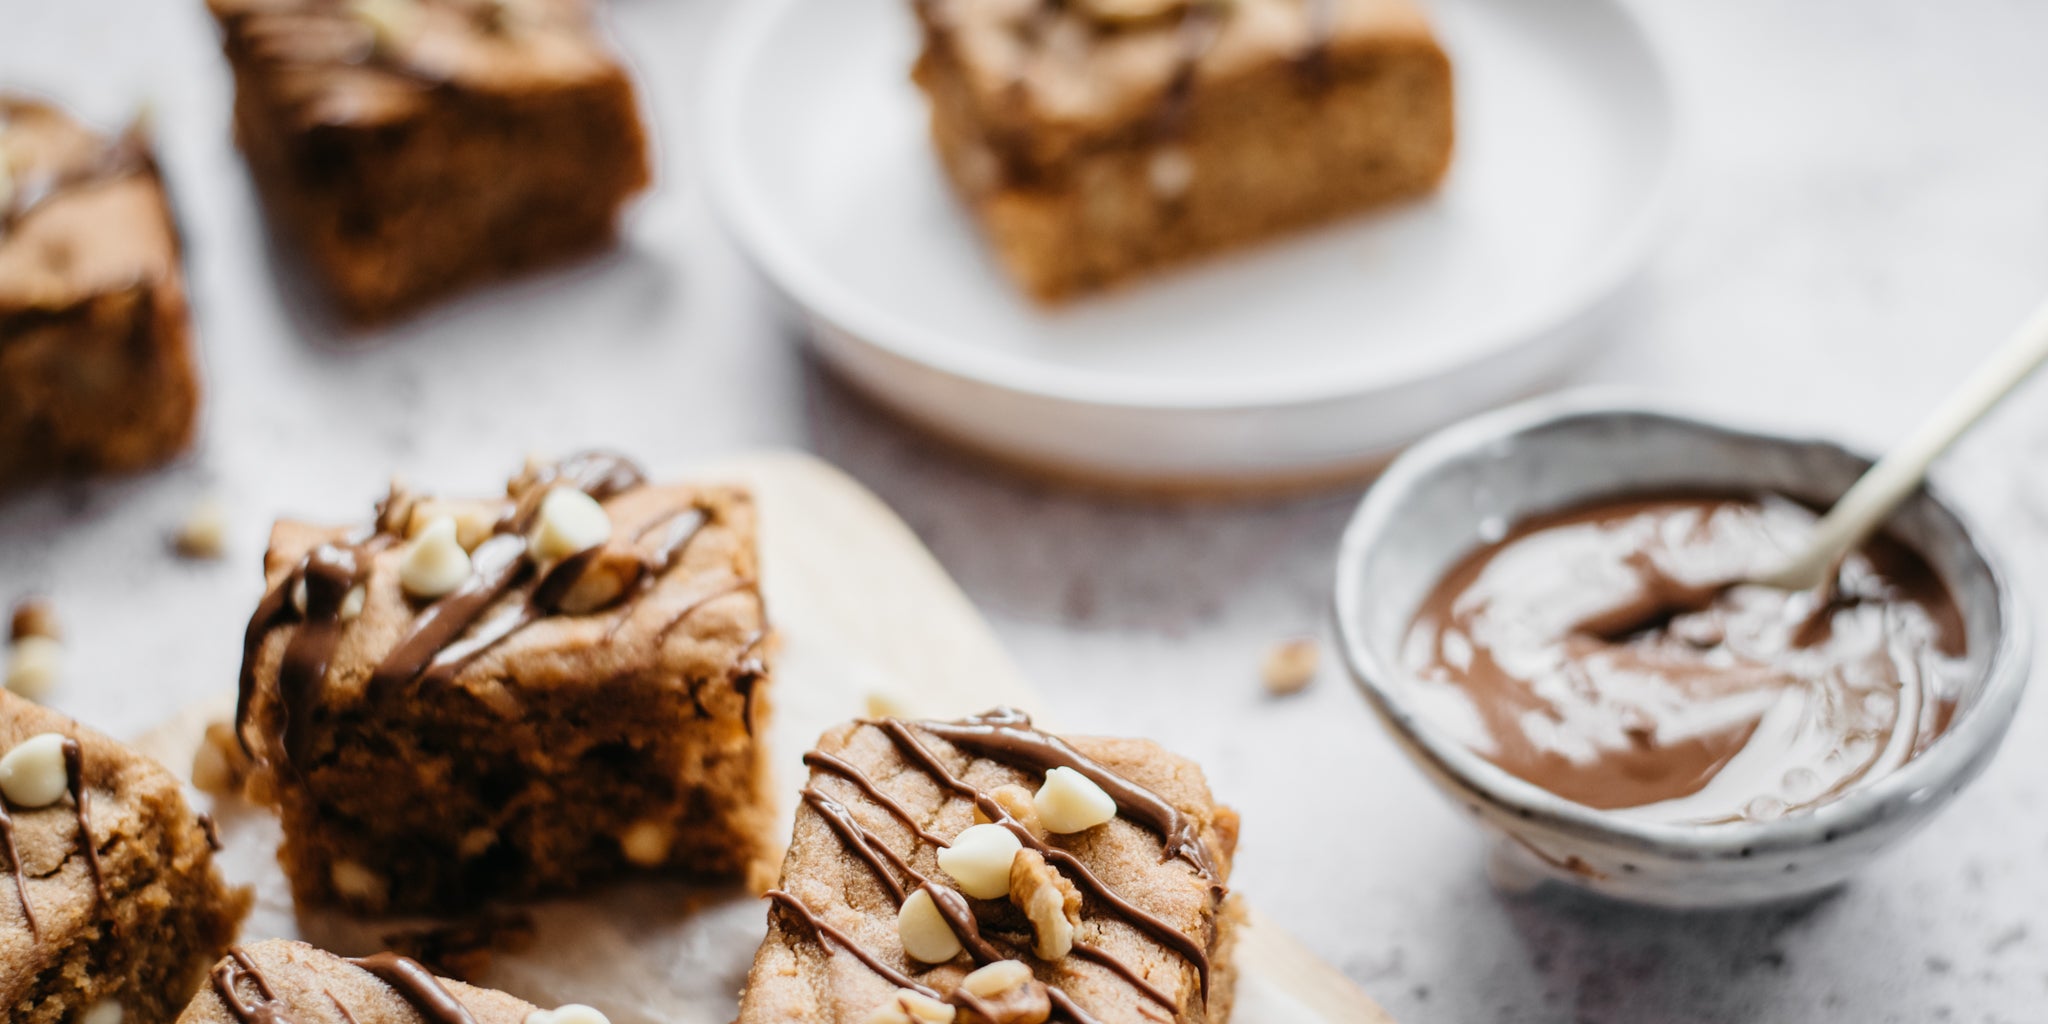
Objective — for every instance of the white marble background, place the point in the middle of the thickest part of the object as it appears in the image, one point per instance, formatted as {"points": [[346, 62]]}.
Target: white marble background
{"points": [[1867, 212]]}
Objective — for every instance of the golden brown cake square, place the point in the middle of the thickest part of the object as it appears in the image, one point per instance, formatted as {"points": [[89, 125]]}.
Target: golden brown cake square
{"points": [[986, 872], [124, 920], [467, 700], [96, 364], [416, 147], [1096, 140]]}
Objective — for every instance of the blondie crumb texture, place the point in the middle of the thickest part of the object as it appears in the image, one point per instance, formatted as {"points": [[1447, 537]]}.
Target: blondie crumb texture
{"points": [[558, 717], [1133, 908], [1095, 150], [281, 981], [417, 147], [96, 366], [130, 918]]}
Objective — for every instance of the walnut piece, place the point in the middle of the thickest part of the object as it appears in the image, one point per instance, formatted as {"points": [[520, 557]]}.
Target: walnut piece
{"points": [[1049, 902], [1290, 666]]}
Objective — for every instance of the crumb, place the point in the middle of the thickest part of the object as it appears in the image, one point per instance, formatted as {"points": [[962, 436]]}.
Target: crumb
{"points": [[1290, 666]]}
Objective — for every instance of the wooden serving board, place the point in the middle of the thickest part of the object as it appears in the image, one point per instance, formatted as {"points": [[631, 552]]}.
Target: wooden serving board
{"points": [[864, 610]]}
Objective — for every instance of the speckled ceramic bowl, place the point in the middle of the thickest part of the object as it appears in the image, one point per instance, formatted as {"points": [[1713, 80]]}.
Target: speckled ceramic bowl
{"points": [[1437, 502]]}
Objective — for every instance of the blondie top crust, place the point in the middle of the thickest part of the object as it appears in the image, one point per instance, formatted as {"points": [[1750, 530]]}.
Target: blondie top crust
{"points": [[96, 366], [283, 982], [417, 147], [889, 901], [505, 697], [1049, 78], [1099, 139], [109, 895], [321, 63]]}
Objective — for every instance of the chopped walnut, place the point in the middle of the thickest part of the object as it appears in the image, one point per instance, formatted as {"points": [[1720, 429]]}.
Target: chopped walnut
{"points": [[1008, 993], [1018, 802], [1049, 902], [203, 533], [34, 616], [220, 766], [609, 575], [1290, 666]]}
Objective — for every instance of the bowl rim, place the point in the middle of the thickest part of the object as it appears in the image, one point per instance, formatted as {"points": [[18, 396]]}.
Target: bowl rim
{"points": [[1948, 763], [748, 216]]}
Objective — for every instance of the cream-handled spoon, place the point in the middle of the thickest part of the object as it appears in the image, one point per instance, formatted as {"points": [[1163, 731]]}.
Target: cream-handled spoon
{"points": [[1871, 500], [1865, 506]]}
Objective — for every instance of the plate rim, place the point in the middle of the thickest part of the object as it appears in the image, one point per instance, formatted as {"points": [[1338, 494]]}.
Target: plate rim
{"points": [[736, 45]]}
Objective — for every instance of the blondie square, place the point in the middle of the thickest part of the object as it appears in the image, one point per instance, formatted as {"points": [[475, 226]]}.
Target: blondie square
{"points": [[466, 700], [414, 147], [109, 900], [96, 364], [987, 872], [281, 982], [1099, 139]]}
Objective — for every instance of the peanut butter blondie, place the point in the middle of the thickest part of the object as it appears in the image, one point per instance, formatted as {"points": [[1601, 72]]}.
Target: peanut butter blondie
{"points": [[986, 872], [1099, 139], [281, 982], [96, 365], [110, 904], [473, 699], [416, 147]]}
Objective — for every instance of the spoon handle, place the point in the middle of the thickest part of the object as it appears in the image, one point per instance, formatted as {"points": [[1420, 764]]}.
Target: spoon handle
{"points": [[1895, 477]]}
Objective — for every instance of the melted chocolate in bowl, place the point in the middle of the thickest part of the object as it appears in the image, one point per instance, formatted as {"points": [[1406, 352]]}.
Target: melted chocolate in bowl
{"points": [[1756, 704]]}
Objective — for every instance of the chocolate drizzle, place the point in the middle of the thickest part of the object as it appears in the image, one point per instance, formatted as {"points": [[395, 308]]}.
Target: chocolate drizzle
{"points": [[413, 983], [14, 864], [886, 864], [505, 593], [81, 803], [1006, 735], [417, 986], [1164, 932], [226, 977]]}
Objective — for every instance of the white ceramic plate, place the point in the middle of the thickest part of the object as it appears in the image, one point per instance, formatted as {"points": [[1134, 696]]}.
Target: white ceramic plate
{"points": [[1309, 357]]}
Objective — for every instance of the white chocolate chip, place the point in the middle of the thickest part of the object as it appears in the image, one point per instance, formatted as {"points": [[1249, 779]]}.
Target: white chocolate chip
{"points": [[979, 860], [358, 883], [1071, 802], [434, 563], [885, 705], [106, 1011], [1171, 173], [569, 1013], [647, 843], [32, 664], [394, 22], [908, 1006], [1290, 666], [926, 935], [204, 531], [475, 521], [997, 978], [299, 597], [570, 521], [32, 774], [352, 602]]}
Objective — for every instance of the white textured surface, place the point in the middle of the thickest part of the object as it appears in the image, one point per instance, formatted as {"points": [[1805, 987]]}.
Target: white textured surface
{"points": [[1864, 219]]}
